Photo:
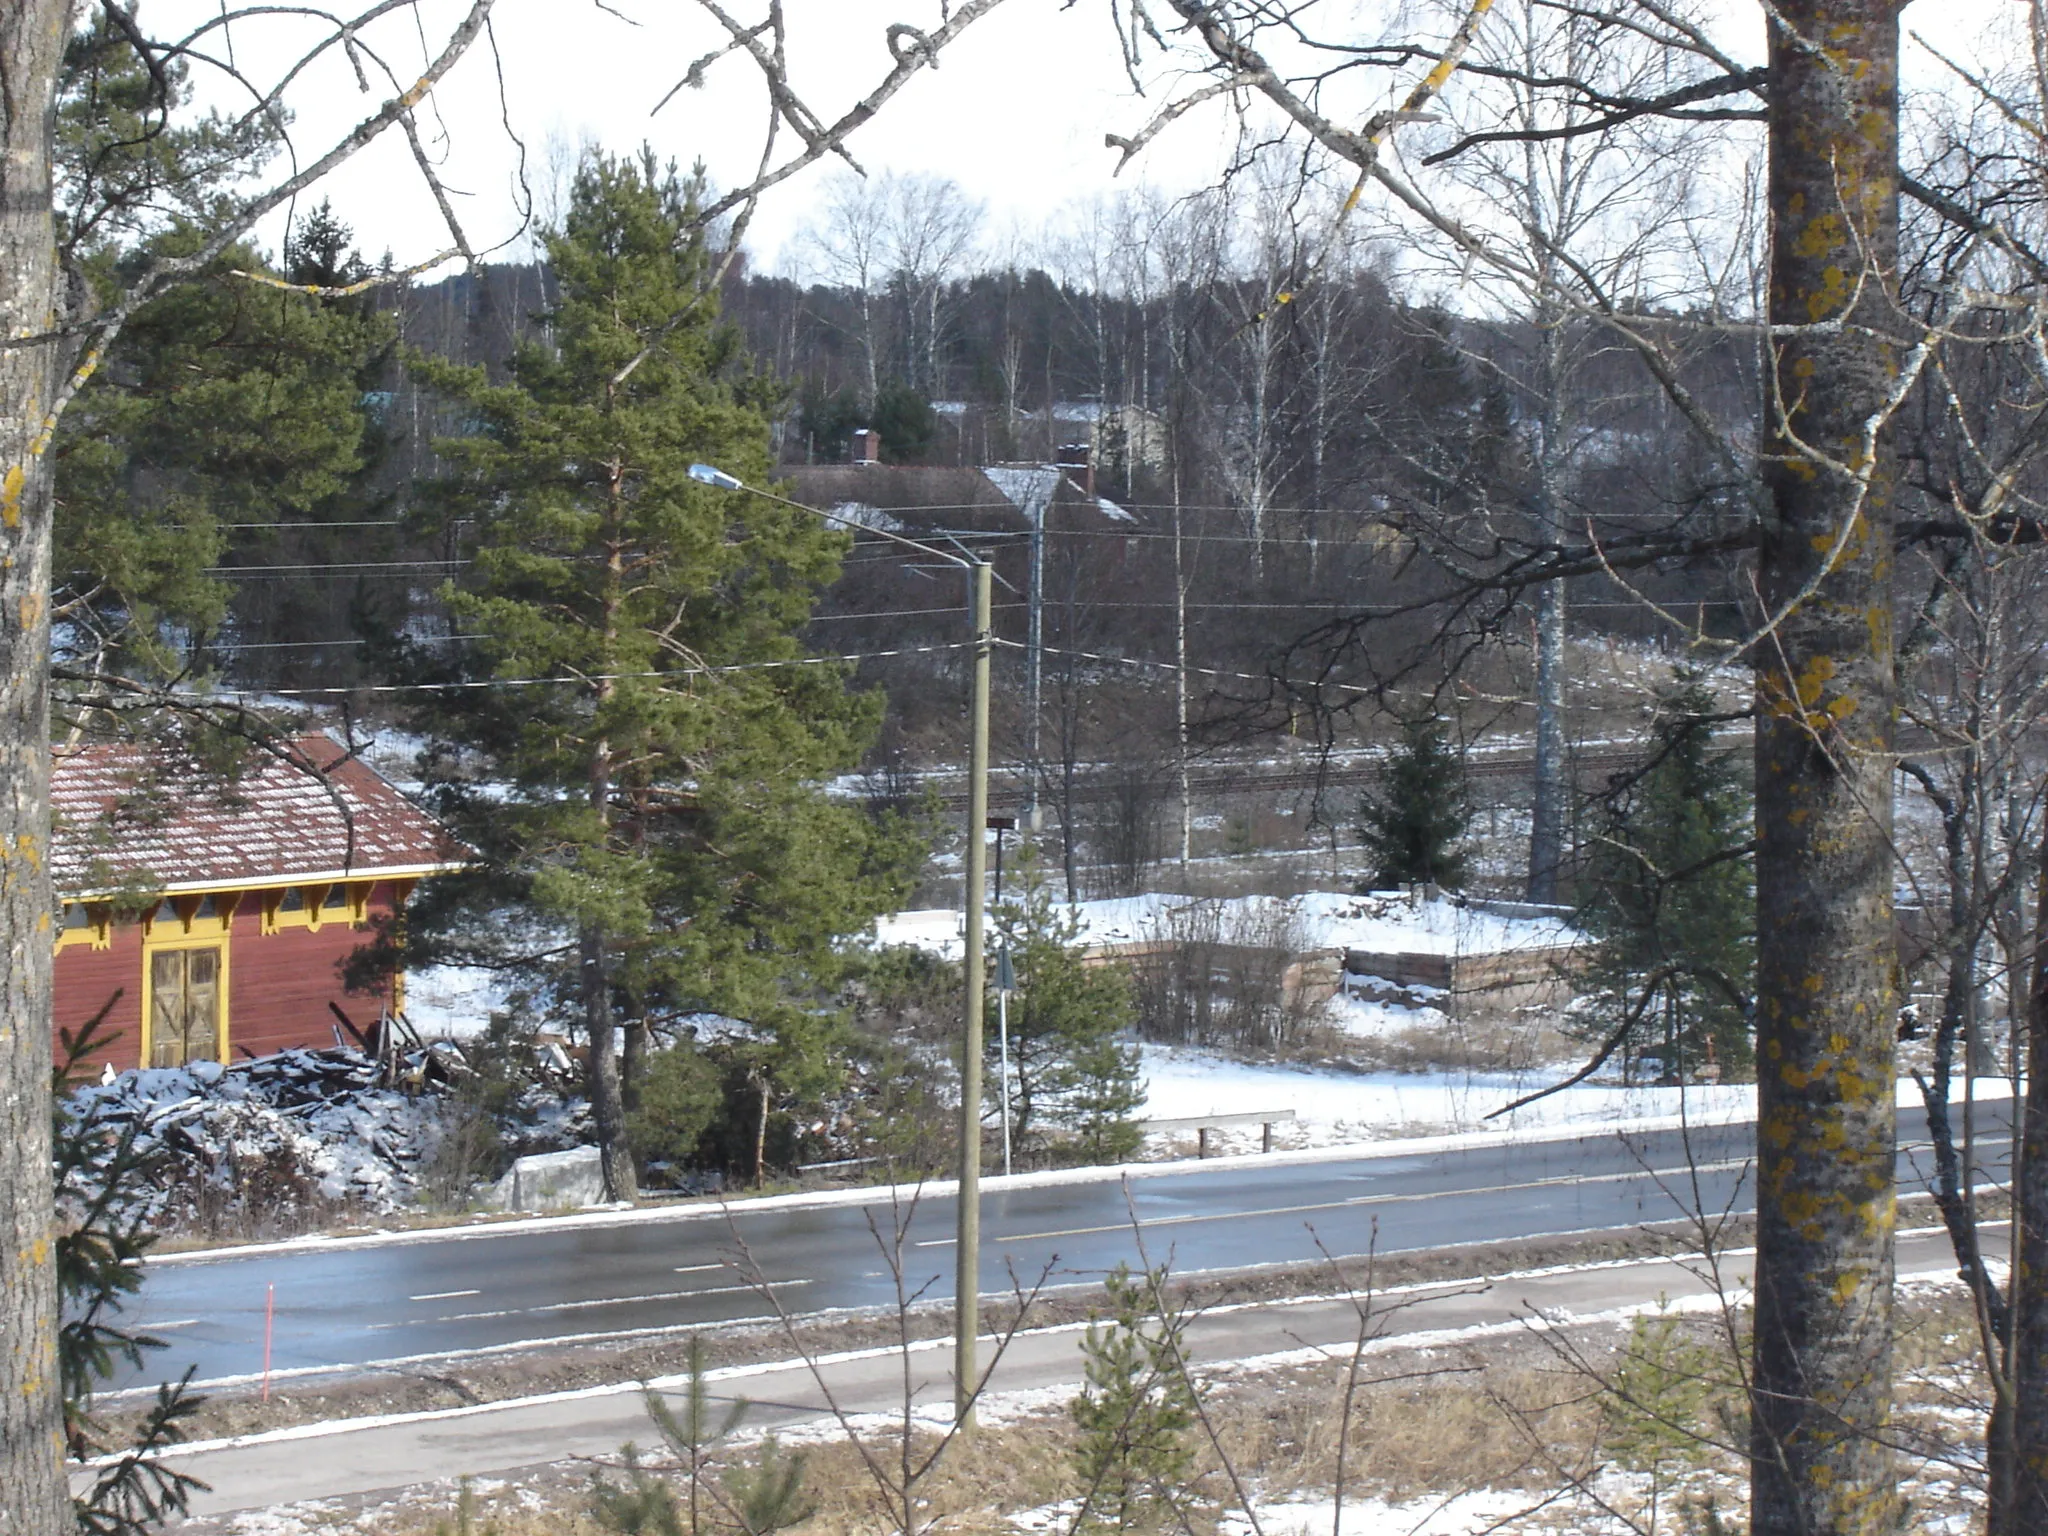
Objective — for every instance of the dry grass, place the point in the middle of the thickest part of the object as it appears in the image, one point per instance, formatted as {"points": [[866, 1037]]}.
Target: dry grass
{"points": [[1476, 1039]]}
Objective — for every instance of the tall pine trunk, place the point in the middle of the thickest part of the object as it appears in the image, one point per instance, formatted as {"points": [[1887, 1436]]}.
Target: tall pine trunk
{"points": [[1826, 1011], [33, 1497], [607, 1105], [607, 1101]]}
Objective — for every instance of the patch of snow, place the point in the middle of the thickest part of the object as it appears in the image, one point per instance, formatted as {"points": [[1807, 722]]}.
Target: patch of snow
{"points": [[938, 931], [1334, 1107], [1369, 1018], [1460, 1514], [708, 1028], [859, 512], [1376, 924], [454, 1002]]}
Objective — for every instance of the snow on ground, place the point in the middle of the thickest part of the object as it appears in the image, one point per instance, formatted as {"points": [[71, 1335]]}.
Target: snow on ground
{"points": [[1363, 1016], [1332, 1107], [453, 1002], [1460, 1514], [1381, 924]]}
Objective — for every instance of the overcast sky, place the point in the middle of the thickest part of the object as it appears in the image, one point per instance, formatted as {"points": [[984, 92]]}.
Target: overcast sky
{"points": [[1016, 114]]}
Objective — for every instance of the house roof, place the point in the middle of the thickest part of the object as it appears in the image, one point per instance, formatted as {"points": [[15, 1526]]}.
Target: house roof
{"points": [[130, 814]]}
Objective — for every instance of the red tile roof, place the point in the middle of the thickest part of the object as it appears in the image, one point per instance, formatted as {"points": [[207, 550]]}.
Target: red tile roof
{"points": [[129, 814]]}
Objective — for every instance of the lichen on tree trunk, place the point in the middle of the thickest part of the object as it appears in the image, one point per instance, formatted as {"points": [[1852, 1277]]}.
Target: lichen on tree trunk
{"points": [[33, 1498], [1826, 1010]]}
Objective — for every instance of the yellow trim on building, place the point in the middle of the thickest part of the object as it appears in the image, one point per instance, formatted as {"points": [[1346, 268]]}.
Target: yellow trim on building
{"points": [[97, 930]]}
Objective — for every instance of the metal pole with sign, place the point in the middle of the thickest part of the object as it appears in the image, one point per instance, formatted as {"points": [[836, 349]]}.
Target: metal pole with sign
{"points": [[1006, 983]]}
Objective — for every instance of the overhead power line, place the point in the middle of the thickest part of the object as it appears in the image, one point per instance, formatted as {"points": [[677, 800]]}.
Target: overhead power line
{"points": [[585, 679], [313, 567]]}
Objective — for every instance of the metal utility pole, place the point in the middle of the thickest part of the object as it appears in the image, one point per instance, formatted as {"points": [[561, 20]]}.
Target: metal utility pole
{"points": [[967, 1251], [967, 1263]]}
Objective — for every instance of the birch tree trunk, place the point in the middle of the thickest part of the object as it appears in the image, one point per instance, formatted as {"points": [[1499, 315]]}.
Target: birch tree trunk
{"points": [[1826, 1011], [33, 1498], [1180, 676], [1549, 809], [1549, 803]]}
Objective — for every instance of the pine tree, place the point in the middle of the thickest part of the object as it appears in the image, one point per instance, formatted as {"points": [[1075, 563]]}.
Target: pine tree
{"points": [[1069, 1066], [757, 1500], [1137, 1407], [224, 403], [650, 731], [1667, 893], [1413, 822]]}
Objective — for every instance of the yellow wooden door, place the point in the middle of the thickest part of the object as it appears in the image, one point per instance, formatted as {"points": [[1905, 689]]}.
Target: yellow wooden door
{"points": [[184, 1006]]}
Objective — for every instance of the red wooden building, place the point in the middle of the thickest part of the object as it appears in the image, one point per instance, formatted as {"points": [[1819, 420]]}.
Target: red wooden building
{"points": [[216, 917]]}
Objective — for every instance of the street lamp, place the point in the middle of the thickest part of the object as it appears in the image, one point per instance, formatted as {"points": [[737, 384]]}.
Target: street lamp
{"points": [[967, 1250], [1006, 983]]}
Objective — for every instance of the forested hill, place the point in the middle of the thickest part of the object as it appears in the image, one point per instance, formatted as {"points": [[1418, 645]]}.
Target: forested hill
{"points": [[1297, 440]]}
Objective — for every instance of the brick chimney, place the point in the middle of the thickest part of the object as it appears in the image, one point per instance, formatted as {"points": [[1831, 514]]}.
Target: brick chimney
{"points": [[867, 446], [1079, 464]]}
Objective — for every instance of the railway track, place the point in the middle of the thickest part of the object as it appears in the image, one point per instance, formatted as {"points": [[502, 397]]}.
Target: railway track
{"points": [[1591, 768]]}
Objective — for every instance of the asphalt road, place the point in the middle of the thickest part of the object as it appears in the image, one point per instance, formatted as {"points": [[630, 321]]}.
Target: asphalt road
{"points": [[407, 1451], [364, 1303]]}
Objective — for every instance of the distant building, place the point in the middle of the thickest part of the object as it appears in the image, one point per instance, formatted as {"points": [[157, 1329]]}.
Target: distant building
{"points": [[210, 918], [1122, 437]]}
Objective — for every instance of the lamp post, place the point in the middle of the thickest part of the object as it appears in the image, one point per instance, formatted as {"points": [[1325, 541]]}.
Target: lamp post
{"points": [[967, 1249], [1006, 983]]}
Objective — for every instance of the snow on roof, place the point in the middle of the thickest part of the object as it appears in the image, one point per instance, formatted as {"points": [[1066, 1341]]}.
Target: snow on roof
{"points": [[1031, 488], [129, 813], [867, 516], [1112, 511]]}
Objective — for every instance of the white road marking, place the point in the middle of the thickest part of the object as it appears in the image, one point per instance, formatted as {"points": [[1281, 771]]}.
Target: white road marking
{"points": [[183, 1322], [696, 1269], [578, 1306], [1355, 1200], [443, 1295]]}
